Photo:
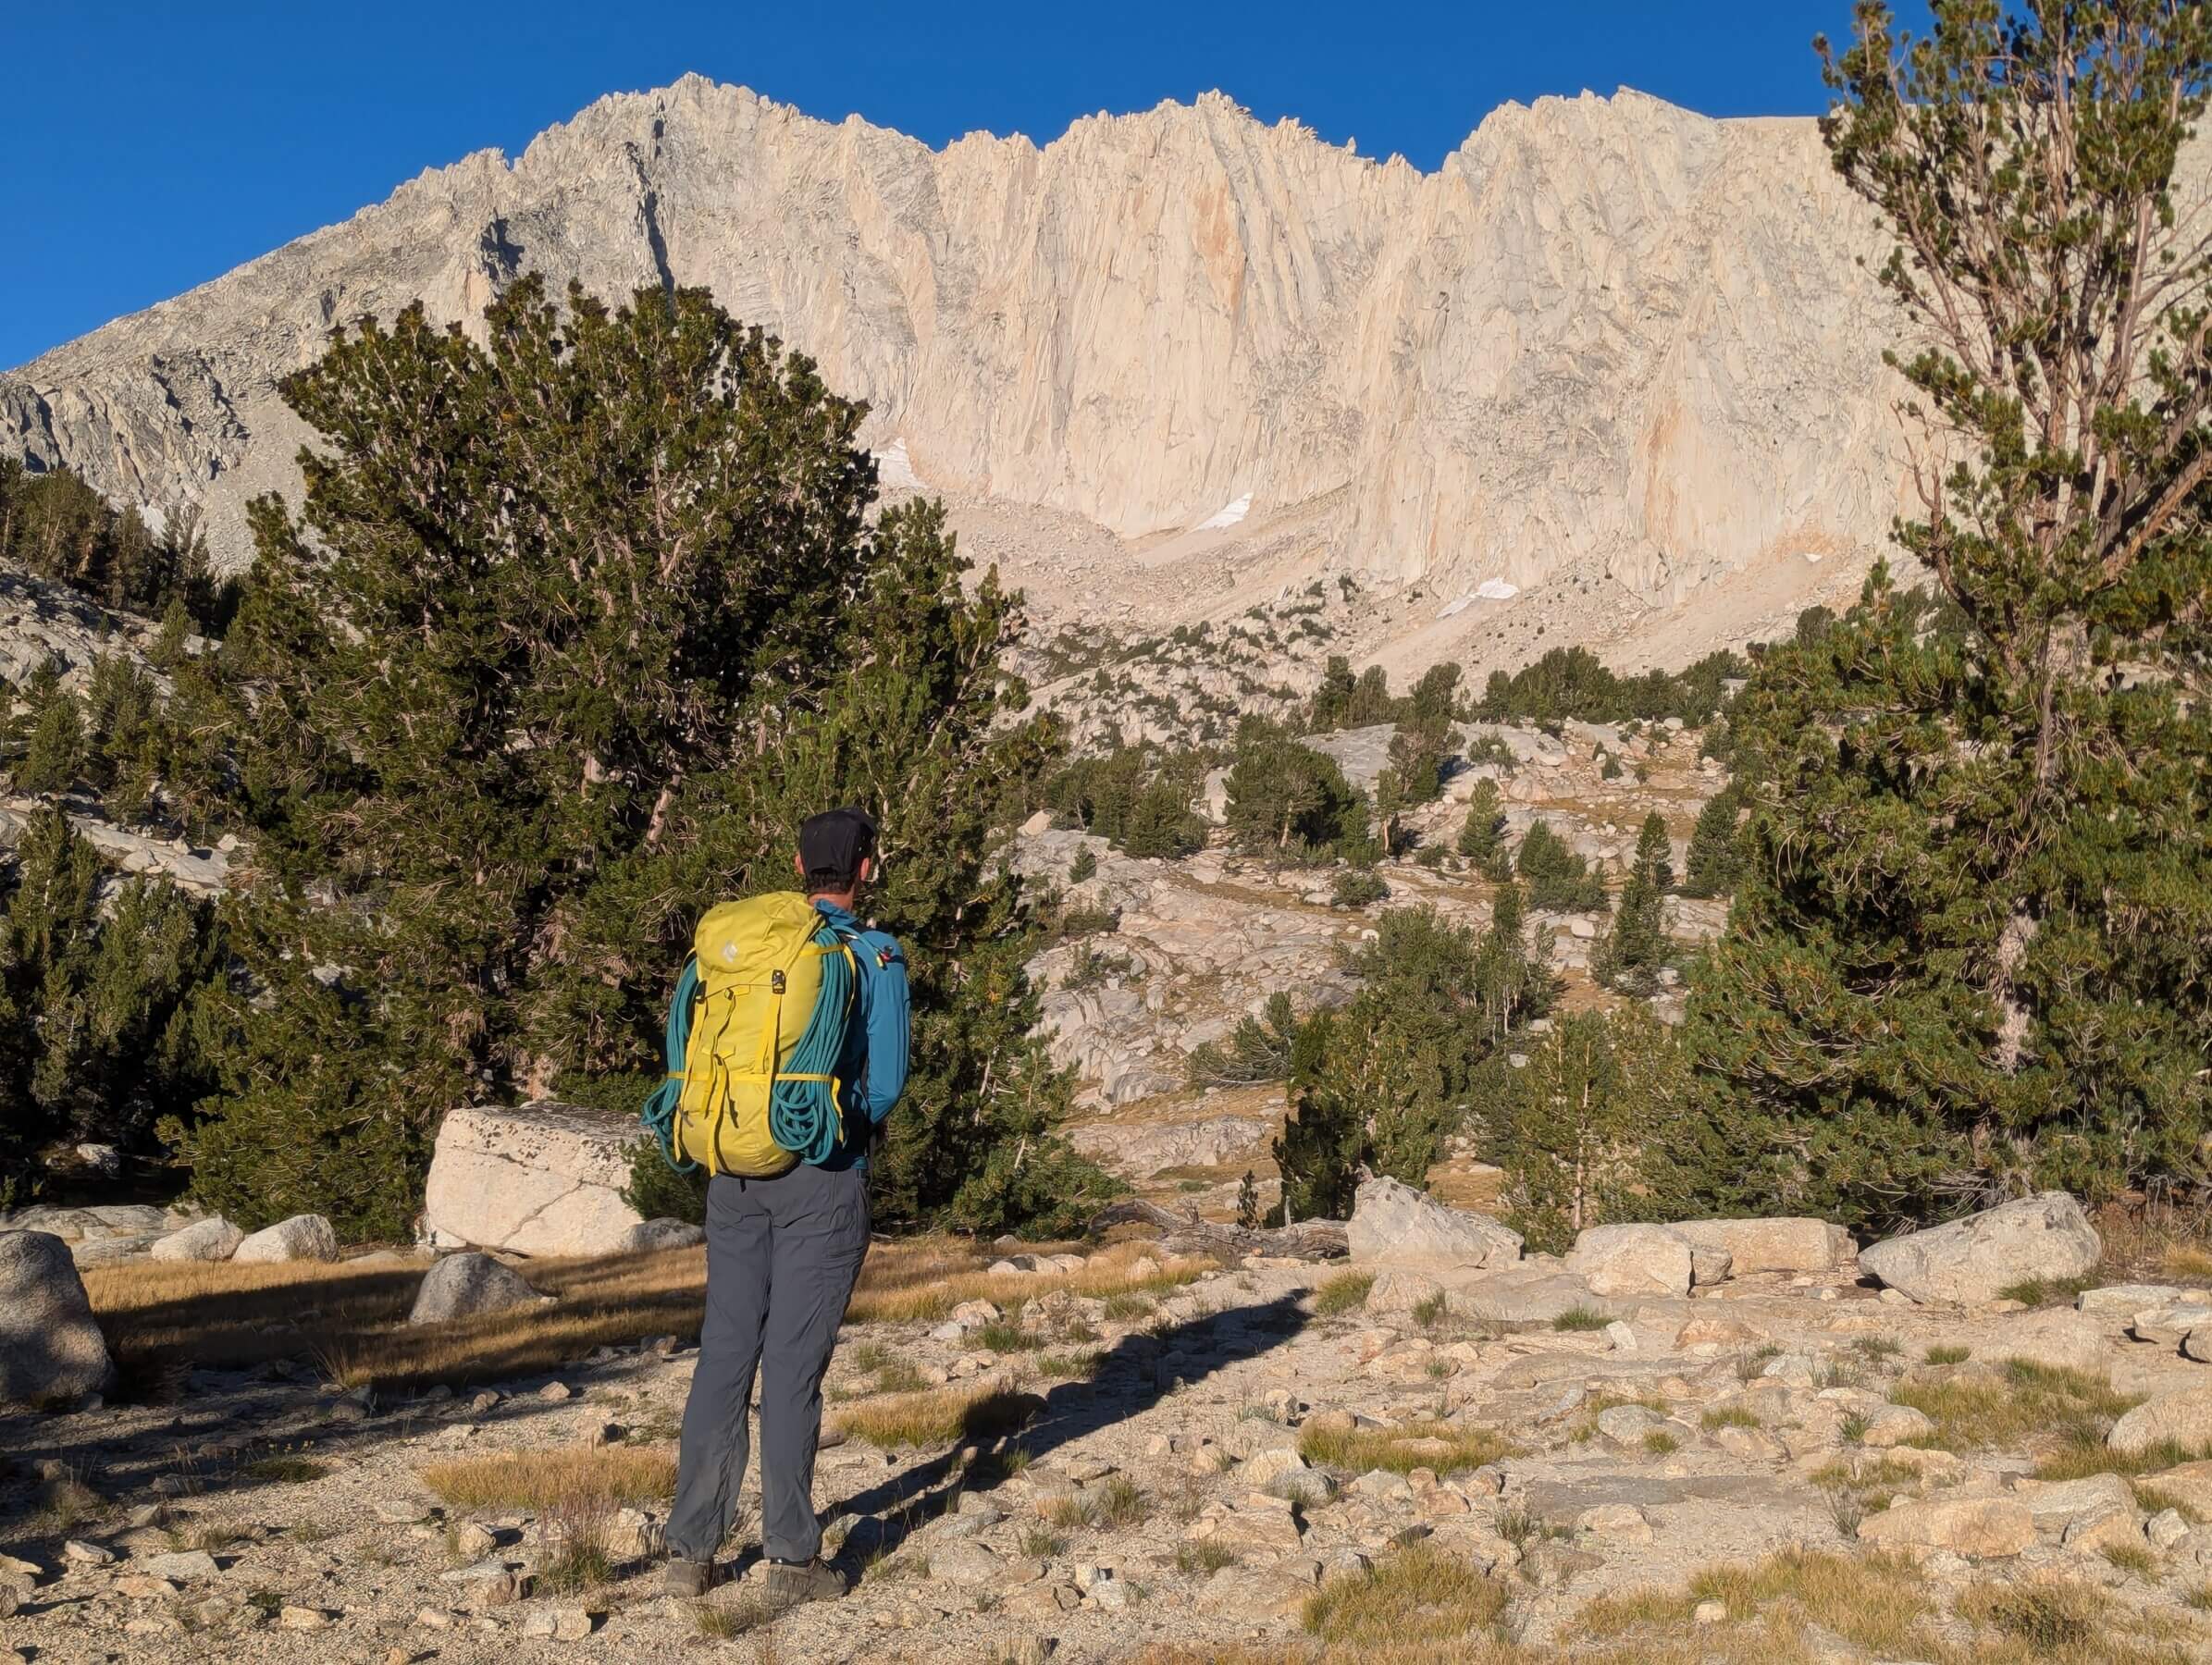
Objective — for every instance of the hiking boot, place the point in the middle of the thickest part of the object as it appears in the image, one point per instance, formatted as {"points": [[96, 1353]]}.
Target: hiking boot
{"points": [[687, 1578], [787, 1583]]}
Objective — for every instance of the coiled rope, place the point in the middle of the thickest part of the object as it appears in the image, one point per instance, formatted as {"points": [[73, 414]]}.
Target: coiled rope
{"points": [[802, 1114], [660, 1113]]}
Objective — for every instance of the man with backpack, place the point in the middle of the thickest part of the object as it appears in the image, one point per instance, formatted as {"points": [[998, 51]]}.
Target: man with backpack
{"points": [[793, 1023]]}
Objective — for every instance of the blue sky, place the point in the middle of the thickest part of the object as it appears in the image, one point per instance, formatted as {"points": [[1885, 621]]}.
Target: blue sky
{"points": [[156, 145]]}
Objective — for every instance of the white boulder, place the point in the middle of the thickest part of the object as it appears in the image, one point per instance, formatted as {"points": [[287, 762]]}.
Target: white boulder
{"points": [[302, 1238], [1633, 1260], [546, 1179], [214, 1239], [1975, 1259], [1780, 1245], [1393, 1223], [50, 1349]]}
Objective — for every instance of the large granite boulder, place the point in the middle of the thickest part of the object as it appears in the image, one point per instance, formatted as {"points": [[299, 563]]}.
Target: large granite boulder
{"points": [[1783, 1245], [50, 1349], [302, 1237], [546, 1179], [1632, 1259], [461, 1286], [1975, 1259], [1393, 1223]]}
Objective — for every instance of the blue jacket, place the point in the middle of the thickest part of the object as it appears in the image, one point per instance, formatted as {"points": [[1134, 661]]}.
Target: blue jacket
{"points": [[873, 1065]]}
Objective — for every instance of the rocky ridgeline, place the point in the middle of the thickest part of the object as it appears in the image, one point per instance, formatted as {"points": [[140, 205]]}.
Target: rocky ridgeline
{"points": [[1197, 1462], [1190, 304]]}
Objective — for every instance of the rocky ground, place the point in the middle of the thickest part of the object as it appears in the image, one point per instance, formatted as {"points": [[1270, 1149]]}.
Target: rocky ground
{"points": [[1158, 1466]]}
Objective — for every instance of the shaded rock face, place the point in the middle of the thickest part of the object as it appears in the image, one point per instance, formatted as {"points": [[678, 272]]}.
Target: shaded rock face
{"points": [[1393, 1223], [1158, 322], [461, 1286], [51, 1350], [543, 1179], [1973, 1259]]}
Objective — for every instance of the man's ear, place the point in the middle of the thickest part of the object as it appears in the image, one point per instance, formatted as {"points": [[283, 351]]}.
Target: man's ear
{"points": [[798, 866], [867, 869]]}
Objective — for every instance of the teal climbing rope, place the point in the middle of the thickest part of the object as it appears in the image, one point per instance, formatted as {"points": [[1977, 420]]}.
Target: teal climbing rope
{"points": [[802, 1116], [660, 1113]]}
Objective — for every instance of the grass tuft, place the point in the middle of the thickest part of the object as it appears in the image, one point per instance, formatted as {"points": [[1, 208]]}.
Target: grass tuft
{"points": [[1346, 1292], [938, 1416], [1580, 1318], [1446, 1448], [1418, 1594], [606, 1477]]}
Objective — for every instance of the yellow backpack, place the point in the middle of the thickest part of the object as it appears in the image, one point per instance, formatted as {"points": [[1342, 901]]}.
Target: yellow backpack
{"points": [[773, 982]]}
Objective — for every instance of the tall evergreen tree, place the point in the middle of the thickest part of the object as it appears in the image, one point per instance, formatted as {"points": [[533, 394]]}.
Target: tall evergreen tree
{"points": [[1716, 851], [572, 630], [1482, 835], [1636, 947], [1973, 954]]}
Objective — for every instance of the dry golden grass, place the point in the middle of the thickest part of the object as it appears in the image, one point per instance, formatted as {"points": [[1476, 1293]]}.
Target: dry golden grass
{"points": [[923, 1278], [1446, 1448], [575, 1481], [350, 1318], [938, 1416], [1418, 1594], [2018, 1407], [1780, 1609]]}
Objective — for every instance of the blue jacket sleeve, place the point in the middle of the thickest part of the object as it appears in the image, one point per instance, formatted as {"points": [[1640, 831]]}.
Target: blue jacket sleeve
{"points": [[888, 1017]]}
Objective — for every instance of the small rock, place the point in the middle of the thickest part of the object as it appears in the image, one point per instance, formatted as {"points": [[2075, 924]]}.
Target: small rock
{"points": [[1632, 1259], [555, 1393], [1896, 1425], [558, 1625], [1969, 1261], [1620, 1335], [88, 1554], [1709, 1613], [2165, 1529], [184, 1565], [303, 1618], [397, 1511], [1620, 1522], [471, 1542], [463, 1286], [139, 1586], [214, 1239]]}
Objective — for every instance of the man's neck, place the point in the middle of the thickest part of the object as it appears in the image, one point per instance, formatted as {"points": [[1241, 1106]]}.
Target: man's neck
{"points": [[841, 900]]}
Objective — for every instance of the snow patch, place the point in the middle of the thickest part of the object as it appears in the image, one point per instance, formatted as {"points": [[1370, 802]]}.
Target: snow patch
{"points": [[1456, 608], [1229, 515], [1497, 589], [1811, 555], [894, 470]]}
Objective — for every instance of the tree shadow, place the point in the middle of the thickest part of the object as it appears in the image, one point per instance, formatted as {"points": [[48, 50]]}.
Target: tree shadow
{"points": [[1135, 1375]]}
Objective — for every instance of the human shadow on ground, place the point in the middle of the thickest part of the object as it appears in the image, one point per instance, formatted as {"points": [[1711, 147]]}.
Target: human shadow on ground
{"points": [[1134, 1376]]}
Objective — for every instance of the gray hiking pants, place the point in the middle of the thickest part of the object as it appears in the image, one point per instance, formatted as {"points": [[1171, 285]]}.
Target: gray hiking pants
{"points": [[782, 1257]]}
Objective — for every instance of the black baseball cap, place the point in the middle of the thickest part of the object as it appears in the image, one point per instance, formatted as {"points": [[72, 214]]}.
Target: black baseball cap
{"points": [[833, 844]]}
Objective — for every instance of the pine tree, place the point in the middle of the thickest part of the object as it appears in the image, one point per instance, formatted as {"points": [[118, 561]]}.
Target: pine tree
{"points": [[1569, 1128], [1291, 801], [1636, 947], [1716, 851], [54, 755], [574, 626], [1248, 1200], [1559, 880], [98, 982], [1969, 955], [1512, 986], [1482, 835]]}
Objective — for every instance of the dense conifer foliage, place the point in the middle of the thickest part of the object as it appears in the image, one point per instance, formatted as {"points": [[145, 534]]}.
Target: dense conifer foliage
{"points": [[573, 628]]}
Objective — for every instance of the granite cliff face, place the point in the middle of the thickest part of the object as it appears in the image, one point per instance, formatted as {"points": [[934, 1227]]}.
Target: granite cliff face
{"points": [[1606, 334]]}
